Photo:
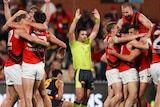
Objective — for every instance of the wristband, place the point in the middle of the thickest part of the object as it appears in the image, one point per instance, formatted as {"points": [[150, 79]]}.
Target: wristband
{"points": [[75, 20], [97, 20]]}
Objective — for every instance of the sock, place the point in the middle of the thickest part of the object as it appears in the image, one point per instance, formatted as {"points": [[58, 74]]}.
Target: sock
{"points": [[76, 104]]}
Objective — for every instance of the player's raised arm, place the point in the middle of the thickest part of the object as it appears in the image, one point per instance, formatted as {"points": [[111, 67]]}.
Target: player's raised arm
{"points": [[7, 12], [11, 19], [47, 11]]}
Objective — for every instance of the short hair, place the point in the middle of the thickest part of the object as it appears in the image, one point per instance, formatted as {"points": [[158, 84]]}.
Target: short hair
{"points": [[80, 29], [110, 26], [34, 7], [134, 26], [125, 28], [127, 4], [56, 72], [39, 17], [20, 17]]}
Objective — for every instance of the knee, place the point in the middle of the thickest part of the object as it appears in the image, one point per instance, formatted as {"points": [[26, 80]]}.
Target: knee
{"points": [[133, 96], [119, 96], [43, 94], [29, 98]]}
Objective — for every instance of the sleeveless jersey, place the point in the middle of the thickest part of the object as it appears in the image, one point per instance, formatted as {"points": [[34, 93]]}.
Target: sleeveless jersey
{"points": [[51, 88], [34, 53], [156, 43], [113, 62], [135, 20], [142, 61], [124, 65], [81, 54], [15, 49]]}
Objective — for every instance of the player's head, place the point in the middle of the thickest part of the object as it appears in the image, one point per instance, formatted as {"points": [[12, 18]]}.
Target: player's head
{"points": [[81, 34], [20, 17], [112, 28], [31, 12], [127, 10], [57, 74], [133, 29], [39, 17], [125, 27]]}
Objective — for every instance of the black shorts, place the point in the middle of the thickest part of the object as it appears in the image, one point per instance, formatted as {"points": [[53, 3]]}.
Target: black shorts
{"points": [[56, 103], [84, 79]]}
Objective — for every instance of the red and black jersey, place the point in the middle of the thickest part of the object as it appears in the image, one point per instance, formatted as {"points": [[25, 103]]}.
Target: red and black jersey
{"points": [[15, 49], [113, 62], [34, 53], [124, 65], [135, 20], [155, 37]]}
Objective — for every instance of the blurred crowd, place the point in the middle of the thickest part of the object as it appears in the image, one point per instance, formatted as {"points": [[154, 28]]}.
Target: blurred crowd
{"points": [[60, 20]]}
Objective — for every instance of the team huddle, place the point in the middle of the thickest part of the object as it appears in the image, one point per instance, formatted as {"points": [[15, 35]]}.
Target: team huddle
{"points": [[132, 58]]}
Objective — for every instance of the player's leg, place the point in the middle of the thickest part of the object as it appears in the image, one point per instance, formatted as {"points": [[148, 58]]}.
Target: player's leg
{"points": [[42, 91], [28, 90], [40, 85], [11, 97], [132, 93], [115, 81], [117, 94], [157, 99], [145, 80], [17, 78], [109, 97], [37, 99], [125, 94]]}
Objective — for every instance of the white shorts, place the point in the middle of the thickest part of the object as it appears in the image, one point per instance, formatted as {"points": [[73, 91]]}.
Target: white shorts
{"points": [[13, 74], [130, 75], [145, 76], [155, 72], [113, 76], [33, 71]]}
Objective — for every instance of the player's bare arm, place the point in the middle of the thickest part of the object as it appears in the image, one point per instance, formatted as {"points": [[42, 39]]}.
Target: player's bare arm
{"points": [[147, 23], [22, 33], [133, 54], [60, 85], [47, 11], [104, 58], [126, 38], [7, 12]]}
